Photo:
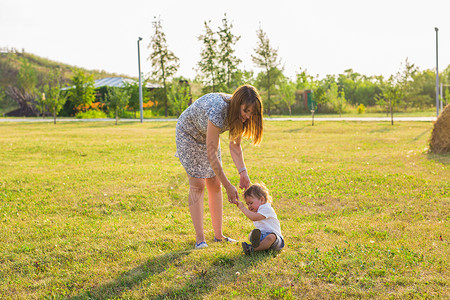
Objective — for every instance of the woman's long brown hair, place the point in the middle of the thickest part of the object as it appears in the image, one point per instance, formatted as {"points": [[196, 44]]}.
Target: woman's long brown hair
{"points": [[253, 128]]}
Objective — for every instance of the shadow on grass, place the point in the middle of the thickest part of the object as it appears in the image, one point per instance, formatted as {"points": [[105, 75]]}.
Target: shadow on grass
{"points": [[421, 135], [381, 130], [221, 271], [133, 277], [296, 129], [440, 158]]}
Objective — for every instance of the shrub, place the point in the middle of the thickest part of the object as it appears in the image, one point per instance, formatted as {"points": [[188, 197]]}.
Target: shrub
{"points": [[361, 109], [91, 114]]}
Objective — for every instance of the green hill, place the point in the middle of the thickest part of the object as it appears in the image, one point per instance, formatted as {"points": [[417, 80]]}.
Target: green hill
{"points": [[11, 61]]}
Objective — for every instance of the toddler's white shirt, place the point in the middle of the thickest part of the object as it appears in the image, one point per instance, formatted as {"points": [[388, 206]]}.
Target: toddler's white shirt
{"points": [[270, 223]]}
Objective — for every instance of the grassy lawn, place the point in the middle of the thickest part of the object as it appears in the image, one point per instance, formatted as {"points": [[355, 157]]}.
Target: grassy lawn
{"points": [[97, 211]]}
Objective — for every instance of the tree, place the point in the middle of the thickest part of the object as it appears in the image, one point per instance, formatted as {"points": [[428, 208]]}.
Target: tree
{"points": [[336, 98], [266, 58], [83, 92], [27, 78], [241, 77], [269, 86], [25, 91], [40, 104], [404, 79], [209, 65], [398, 88], [54, 99], [381, 98], [117, 99], [423, 89], [381, 101], [287, 91], [304, 80], [321, 88], [164, 61], [5, 100], [342, 102], [133, 91], [365, 91], [179, 95], [228, 61], [392, 93]]}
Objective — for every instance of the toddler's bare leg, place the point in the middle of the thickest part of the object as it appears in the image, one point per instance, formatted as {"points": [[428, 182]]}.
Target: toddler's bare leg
{"points": [[266, 242]]}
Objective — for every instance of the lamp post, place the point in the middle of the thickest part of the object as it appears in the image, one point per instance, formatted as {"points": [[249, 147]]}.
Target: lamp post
{"points": [[141, 105], [437, 74]]}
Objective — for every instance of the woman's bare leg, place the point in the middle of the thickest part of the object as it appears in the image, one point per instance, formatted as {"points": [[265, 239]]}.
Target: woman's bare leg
{"points": [[215, 202], [196, 193]]}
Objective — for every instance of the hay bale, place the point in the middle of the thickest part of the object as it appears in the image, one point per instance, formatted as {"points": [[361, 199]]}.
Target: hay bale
{"points": [[440, 136]]}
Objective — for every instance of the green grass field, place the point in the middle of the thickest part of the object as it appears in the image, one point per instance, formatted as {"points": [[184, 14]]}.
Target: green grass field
{"points": [[97, 211]]}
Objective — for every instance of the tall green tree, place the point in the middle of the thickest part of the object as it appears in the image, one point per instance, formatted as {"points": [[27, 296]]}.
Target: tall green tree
{"points": [[116, 100], [381, 101], [342, 102], [243, 77], [321, 87], [54, 98], [421, 90], [336, 98], [392, 94], [304, 80], [133, 91], [164, 62], [83, 91], [287, 93], [270, 88], [209, 64], [404, 79], [227, 58], [348, 81], [333, 95], [179, 95], [266, 58]]}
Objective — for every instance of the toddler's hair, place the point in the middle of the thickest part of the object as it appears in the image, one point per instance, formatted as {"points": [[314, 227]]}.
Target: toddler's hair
{"points": [[258, 190]]}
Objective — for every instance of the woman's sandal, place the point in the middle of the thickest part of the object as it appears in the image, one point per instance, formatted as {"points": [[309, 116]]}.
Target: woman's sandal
{"points": [[201, 245], [226, 239]]}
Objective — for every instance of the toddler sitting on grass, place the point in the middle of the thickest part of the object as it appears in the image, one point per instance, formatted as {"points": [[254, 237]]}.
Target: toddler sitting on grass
{"points": [[267, 234]]}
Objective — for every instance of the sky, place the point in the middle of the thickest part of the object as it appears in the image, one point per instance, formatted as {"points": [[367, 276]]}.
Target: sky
{"points": [[322, 36]]}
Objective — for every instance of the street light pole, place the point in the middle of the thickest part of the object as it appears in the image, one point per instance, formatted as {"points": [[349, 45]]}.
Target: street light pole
{"points": [[141, 105], [437, 74]]}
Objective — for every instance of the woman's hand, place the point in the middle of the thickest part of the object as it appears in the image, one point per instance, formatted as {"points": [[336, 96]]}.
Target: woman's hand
{"points": [[244, 181], [232, 194]]}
